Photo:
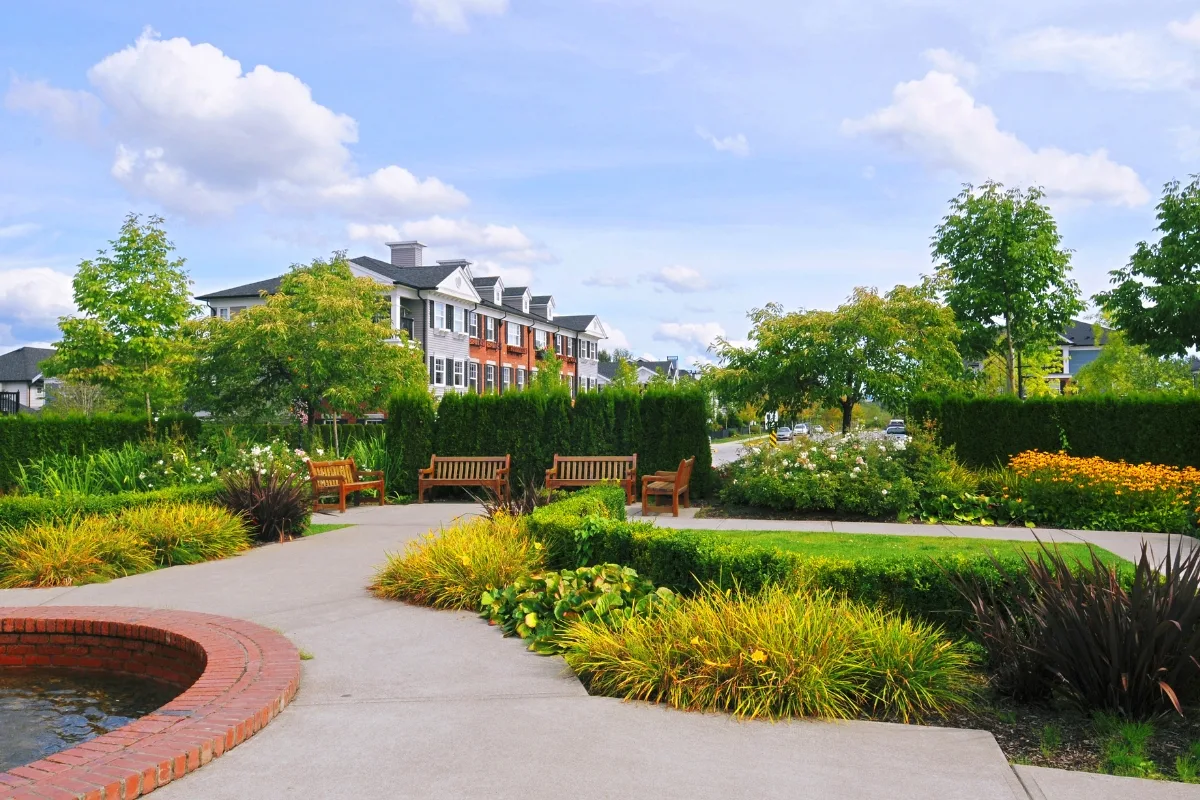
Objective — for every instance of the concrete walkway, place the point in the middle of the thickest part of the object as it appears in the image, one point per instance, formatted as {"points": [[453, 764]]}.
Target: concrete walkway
{"points": [[405, 702]]}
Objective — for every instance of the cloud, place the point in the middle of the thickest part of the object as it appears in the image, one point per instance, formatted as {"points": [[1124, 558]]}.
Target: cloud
{"points": [[1186, 31], [736, 144], [690, 334], [453, 14], [616, 338], [606, 281], [18, 230], [677, 279], [75, 114], [31, 301], [946, 61], [1133, 60], [939, 122], [512, 276], [507, 243], [201, 137]]}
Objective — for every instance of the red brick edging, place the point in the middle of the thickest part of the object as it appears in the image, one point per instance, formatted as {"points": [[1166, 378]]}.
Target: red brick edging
{"points": [[237, 677]]}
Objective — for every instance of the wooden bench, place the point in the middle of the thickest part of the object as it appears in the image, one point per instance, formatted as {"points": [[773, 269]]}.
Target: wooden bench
{"points": [[590, 470], [490, 472], [341, 478], [668, 484]]}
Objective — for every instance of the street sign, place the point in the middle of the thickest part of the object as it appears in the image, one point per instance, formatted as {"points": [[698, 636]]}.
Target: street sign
{"points": [[774, 439]]}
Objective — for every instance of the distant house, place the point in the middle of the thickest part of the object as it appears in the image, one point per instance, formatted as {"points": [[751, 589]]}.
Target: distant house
{"points": [[1080, 344], [646, 370], [21, 372]]}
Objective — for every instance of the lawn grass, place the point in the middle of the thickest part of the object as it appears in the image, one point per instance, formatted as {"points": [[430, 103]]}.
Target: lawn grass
{"points": [[324, 527], [884, 546]]}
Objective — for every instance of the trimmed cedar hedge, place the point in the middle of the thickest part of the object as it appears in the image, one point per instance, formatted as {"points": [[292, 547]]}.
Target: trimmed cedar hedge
{"points": [[663, 426], [410, 430], [28, 437], [16, 511], [988, 431]]}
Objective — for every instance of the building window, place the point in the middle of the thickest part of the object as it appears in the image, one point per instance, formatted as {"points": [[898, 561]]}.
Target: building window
{"points": [[520, 377], [505, 378], [223, 313], [558, 343], [460, 319], [473, 376], [439, 315], [539, 339], [458, 373], [489, 377], [474, 318], [514, 334], [525, 304], [490, 328], [439, 371], [570, 343]]}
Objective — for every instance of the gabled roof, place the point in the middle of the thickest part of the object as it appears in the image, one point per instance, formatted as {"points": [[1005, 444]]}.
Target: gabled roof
{"points": [[270, 286], [515, 290], [24, 363], [576, 322], [607, 369], [1195, 364], [486, 280], [541, 299], [413, 277], [1083, 334]]}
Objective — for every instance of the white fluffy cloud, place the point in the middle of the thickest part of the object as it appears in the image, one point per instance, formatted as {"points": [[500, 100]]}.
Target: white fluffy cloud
{"points": [[453, 14], [939, 122], [736, 144], [690, 334], [947, 61], [72, 113], [200, 136], [507, 243], [1186, 30], [677, 279], [606, 281], [1132, 60], [18, 229], [616, 338], [31, 301]]}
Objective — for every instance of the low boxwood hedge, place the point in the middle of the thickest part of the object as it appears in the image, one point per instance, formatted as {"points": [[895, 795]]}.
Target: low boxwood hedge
{"points": [[554, 525], [16, 511]]}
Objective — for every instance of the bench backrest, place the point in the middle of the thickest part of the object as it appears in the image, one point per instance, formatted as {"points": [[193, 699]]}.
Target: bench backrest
{"points": [[595, 468], [684, 474], [343, 469], [464, 468]]}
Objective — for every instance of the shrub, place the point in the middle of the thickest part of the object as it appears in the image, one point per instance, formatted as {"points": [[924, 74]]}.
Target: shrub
{"points": [[188, 533], [554, 525], [20, 510], [988, 431], [772, 654], [70, 552], [1095, 494], [274, 502], [453, 568], [410, 438], [537, 607]]}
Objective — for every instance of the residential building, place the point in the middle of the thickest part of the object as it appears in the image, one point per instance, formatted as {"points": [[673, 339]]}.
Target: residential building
{"points": [[646, 370], [21, 373], [477, 334], [1080, 344]]}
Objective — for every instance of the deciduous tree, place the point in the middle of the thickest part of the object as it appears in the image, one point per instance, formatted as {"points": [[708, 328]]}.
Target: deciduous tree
{"points": [[1123, 368]]}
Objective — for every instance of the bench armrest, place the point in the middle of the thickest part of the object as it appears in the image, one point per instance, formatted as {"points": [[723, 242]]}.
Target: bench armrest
{"points": [[654, 478], [425, 471], [665, 474], [551, 473]]}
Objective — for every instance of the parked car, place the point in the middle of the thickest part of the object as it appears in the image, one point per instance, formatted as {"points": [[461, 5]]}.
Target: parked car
{"points": [[801, 429], [783, 434], [818, 429], [893, 431]]}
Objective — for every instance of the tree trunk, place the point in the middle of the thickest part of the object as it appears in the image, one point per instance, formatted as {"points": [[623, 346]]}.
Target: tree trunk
{"points": [[1009, 356], [847, 414], [337, 450], [149, 413]]}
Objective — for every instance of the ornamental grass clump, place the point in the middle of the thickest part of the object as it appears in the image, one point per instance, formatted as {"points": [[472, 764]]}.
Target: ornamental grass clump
{"points": [[70, 552], [187, 533], [455, 566], [774, 654], [1097, 494]]}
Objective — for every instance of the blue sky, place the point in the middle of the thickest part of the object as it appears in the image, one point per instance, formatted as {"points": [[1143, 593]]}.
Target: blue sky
{"points": [[666, 164]]}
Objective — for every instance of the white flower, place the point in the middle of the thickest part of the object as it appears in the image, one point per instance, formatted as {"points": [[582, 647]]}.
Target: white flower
{"points": [[141, 476], [859, 461], [320, 452], [855, 471], [885, 492]]}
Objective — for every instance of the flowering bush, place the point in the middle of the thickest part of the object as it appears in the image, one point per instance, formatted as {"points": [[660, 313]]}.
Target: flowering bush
{"points": [[852, 475], [262, 458], [1096, 494]]}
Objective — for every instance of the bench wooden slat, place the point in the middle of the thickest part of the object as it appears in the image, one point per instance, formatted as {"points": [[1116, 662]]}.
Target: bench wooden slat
{"points": [[490, 472], [590, 470], [342, 478]]}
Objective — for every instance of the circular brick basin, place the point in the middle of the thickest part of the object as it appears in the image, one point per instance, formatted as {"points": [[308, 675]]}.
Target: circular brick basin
{"points": [[234, 677]]}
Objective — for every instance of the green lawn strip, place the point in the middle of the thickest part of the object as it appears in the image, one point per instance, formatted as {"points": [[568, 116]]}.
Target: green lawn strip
{"points": [[884, 546], [324, 527]]}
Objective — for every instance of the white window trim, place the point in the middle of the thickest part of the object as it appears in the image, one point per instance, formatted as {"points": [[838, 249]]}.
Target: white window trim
{"points": [[439, 371], [513, 330], [223, 313], [459, 374], [439, 315], [473, 323]]}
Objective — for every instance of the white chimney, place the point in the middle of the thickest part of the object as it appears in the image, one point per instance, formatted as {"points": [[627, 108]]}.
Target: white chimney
{"points": [[406, 254]]}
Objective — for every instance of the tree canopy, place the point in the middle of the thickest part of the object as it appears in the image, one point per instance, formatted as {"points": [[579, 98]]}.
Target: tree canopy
{"points": [[130, 340], [1003, 271], [1155, 299], [320, 341], [1124, 368], [879, 347]]}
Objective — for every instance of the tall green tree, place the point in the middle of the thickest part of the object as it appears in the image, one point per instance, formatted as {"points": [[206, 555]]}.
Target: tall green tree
{"points": [[130, 340], [880, 347], [1004, 272], [319, 342], [1156, 297], [1124, 368]]}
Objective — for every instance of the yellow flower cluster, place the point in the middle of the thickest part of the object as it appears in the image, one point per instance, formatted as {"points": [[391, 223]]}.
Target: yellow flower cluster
{"points": [[1117, 476]]}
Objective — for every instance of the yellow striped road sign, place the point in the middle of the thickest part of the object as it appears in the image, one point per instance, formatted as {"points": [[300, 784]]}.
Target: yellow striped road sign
{"points": [[774, 439]]}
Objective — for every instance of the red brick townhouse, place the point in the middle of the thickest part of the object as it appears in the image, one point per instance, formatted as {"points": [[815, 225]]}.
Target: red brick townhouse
{"points": [[477, 334]]}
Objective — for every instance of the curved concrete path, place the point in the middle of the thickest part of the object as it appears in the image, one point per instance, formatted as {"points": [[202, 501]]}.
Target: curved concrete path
{"points": [[405, 702]]}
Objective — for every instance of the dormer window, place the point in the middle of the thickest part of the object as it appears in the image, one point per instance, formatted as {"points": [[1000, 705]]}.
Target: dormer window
{"points": [[525, 304], [498, 296]]}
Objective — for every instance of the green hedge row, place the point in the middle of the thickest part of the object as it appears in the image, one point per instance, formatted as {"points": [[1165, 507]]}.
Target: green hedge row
{"points": [[662, 425], [988, 431], [555, 524], [294, 434], [19, 510], [28, 437], [410, 429]]}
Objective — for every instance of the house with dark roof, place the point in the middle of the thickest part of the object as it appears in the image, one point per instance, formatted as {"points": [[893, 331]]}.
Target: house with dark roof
{"points": [[21, 373], [477, 334], [646, 370], [1080, 344]]}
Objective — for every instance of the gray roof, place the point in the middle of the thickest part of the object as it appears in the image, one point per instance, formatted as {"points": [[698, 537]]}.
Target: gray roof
{"points": [[667, 367], [270, 286], [607, 369], [1195, 364], [24, 363], [486, 280], [413, 277], [515, 291], [576, 322], [542, 299], [1083, 334]]}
